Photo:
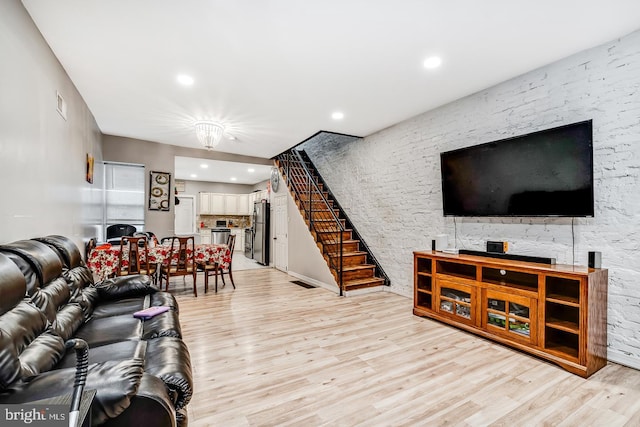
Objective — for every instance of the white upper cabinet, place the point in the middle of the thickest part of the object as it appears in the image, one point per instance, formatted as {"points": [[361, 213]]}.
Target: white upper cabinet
{"points": [[243, 204], [218, 204], [229, 204]]}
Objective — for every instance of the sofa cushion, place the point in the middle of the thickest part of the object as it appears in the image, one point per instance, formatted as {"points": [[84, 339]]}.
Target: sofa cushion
{"points": [[19, 327], [66, 249], [13, 287], [78, 278], [41, 355], [43, 261], [110, 329], [118, 308], [122, 350], [50, 298]]}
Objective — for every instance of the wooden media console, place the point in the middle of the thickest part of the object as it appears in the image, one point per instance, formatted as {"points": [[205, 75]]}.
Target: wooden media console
{"points": [[555, 312]]}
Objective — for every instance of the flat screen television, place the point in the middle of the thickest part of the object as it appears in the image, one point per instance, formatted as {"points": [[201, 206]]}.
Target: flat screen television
{"points": [[545, 173]]}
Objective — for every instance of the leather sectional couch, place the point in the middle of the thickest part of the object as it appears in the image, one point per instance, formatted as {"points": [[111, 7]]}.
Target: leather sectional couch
{"points": [[140, 369]]}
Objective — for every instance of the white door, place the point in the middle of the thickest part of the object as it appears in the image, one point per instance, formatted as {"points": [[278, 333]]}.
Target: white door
{"points": [[185, 220], [281, 245]]}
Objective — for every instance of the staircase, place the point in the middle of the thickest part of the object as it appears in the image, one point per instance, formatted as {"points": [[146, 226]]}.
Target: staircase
{"points": [[349, 259]]}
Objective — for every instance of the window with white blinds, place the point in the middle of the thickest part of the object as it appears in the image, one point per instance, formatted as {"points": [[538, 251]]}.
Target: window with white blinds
{"points": [[124, 194]]}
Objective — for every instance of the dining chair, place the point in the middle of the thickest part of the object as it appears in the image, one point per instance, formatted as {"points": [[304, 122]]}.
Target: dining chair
{"points": [[91, 245], [152, 240], [231, 241], [138, 255], [181, 261], [209, 269]]}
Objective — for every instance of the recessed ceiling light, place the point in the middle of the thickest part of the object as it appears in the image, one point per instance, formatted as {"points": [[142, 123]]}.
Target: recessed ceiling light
{"points": [[204, 166], [251, 170], [193, 175], [233, 178], [337, 115], [231, 137], [432, 62], [184, 79]]}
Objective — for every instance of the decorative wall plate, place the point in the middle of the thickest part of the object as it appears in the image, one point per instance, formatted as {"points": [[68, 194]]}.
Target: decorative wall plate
{"points": [[159, 191]]}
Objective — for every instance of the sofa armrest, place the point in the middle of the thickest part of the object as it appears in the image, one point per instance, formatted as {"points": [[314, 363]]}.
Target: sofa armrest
{"points": [[150, 406], [165, 324], [168, 359], [115, 383], [125, 287]]}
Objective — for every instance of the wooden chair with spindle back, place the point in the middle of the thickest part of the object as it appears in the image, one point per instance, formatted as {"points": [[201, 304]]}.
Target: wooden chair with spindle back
{"points": [[181, 261], [138, 255], [231, 242]]}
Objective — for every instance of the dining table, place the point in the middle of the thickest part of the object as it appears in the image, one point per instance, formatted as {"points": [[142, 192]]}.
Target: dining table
{"points": [[103, 260]]}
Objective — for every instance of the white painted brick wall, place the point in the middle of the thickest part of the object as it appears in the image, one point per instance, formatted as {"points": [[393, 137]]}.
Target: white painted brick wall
{"points": [[389, 182]]}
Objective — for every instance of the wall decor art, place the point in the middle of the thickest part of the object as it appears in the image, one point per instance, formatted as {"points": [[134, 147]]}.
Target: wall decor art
{"points": [[90, 162], [159, 191]]}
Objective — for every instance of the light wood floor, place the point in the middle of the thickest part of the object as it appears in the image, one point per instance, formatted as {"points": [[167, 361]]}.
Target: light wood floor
{"points": [[271, 353]]}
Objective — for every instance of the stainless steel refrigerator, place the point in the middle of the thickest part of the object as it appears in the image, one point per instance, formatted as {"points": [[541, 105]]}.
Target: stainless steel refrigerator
{"points": [[261, 232]]}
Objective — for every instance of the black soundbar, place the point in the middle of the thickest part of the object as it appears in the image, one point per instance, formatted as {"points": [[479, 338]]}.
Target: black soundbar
{"points": [[538, 259]]}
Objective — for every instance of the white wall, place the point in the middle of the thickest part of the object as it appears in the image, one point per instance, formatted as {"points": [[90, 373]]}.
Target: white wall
{"points": [[42, 156], [161, 157], [389, 182]]}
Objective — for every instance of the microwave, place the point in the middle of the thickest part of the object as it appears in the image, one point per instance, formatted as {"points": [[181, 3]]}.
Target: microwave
{"points": [[221, 222]]}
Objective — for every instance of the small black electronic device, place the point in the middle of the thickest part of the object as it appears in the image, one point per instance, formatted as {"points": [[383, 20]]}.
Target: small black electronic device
{"points": [[497, 247], [528, 258], [595, 259]]}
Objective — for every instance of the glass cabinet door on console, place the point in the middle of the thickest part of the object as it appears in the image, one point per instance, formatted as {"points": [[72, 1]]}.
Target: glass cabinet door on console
{"points": [[456, 300], [510, 315]]}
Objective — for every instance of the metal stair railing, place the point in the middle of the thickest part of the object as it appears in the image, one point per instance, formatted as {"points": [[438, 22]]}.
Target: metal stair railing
{"points": [[324, 224], [348, 224]]}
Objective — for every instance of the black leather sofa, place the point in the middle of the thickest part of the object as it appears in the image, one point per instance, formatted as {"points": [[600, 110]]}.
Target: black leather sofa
{"points": [[141, 370]]}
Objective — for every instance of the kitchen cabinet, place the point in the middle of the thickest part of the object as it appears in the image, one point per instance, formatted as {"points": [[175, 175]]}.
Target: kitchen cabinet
{"points": [[243, 204], [229, 204], [256, 196], [212, 204], [205, 237], [239, 233], [218, 204], [205, 204]]}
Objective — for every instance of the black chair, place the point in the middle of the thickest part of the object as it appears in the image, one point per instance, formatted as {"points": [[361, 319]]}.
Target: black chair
{"points": [[116, 231]]}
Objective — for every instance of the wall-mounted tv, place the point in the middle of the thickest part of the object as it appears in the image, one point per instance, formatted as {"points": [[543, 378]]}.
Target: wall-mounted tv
{"points": [[546, 173]]}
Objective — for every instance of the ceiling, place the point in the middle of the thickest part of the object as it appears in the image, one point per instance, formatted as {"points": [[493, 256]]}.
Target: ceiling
{"points": [[274, 71], [219, 171]]}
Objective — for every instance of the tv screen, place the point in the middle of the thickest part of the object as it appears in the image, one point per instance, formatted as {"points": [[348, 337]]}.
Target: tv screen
{"points": [[546, 173]]}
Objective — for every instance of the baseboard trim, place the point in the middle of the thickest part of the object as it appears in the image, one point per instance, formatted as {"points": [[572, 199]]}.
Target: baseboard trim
{"points": [[622, 359], [363, 291], [314, 282]]}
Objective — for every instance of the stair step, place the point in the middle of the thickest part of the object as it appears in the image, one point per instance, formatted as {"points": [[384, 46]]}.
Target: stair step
{"points": [[361, 271], [351, 285], [324, 235], [332, 246], [349, 258]]}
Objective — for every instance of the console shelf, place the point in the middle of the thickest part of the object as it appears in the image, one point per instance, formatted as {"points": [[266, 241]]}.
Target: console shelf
{"points": [[556, 312]]}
